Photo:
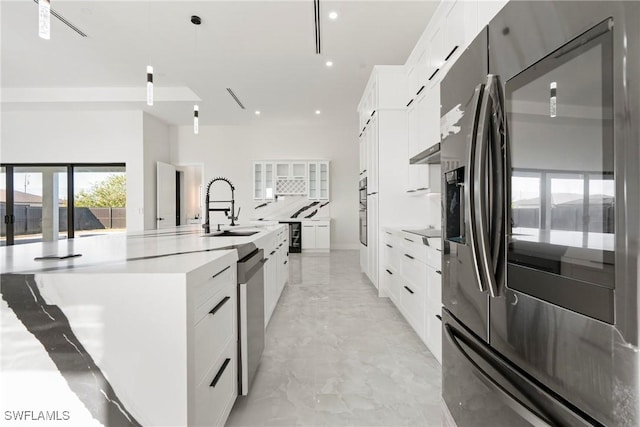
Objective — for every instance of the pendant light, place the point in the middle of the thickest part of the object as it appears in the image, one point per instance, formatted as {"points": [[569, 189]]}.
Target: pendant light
{"points": [[195, 20], [149, 67], [149, 85], [195, 119], [44, 19]]}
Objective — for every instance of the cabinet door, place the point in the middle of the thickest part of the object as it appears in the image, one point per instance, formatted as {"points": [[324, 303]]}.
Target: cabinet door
{"points": [[436, 56], [433, 306], [283, 170], [323, 180], [455, 30], [313, 181], [269, 181], [372, 174], [258, 181], [299, 170], [323, 236], [308, 236], [430, 117], [413, 125], [418, 178]]}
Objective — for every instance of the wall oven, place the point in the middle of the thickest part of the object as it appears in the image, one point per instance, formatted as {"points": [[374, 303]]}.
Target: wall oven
{"points": [[363, 211]]}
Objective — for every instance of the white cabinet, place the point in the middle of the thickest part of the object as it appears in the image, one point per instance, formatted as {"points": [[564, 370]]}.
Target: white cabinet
{"points": [[318, 180], [316, 236], [373, 238], [276, 270], [423, 129], [263, 180], [411, 278], [213, 343]]}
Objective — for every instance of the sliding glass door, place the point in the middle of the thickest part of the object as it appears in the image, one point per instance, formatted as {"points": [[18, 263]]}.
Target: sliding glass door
{"points": [[57, 201]]}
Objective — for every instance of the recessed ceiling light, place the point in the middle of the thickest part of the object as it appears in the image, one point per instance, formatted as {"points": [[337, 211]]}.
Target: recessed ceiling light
{"points": [[329, 63], [333, 15], [257, 112], [317, 111]]}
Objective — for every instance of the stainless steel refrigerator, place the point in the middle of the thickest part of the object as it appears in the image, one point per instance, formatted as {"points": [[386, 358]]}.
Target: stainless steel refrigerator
{"points": [[541, 207]]}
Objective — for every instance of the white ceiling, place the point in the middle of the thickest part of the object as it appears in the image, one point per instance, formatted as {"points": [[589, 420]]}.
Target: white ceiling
{"points": [[263, 50]]}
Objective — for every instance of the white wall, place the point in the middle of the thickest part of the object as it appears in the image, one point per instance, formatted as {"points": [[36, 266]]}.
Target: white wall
{"points": [[229, 151], [77, 137], [156, 149]]}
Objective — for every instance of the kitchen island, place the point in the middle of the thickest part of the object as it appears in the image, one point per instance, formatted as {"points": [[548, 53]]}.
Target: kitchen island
{"points": [[128, 329]]}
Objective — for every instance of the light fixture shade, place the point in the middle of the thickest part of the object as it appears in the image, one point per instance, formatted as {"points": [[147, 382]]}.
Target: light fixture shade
{"points": [[196, 126], [149, 85], [553, 87], [44, 19]]}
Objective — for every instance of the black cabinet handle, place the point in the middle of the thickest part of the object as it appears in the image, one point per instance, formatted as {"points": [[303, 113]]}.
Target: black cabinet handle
{"points": [[439, 317], [409, 240], [439, 250], [363, 128], [221, 271], [410, 291], [389, 246], [220, 372], [420, 90], [359, 136], [422, 188], [285, 262], [409, 256], [439, 272], [272, 252], [389, 272], [368, 121], [411, 191], [434, 74], [219, 305], [388, 233], [373, 112], [451, 53], [410, 102]]}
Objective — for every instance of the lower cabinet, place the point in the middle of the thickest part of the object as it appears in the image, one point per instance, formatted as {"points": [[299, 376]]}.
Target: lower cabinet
{"points": [[276, 271], [316, 235], [213, 343], [411, 277]]}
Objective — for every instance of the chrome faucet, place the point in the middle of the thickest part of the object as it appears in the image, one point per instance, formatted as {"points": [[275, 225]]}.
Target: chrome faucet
{"points": [[233, 216]]}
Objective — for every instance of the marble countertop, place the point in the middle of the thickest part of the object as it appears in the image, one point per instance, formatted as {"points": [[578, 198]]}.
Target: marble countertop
{"points": [[159, 251], [99, 339], [435, 242]]}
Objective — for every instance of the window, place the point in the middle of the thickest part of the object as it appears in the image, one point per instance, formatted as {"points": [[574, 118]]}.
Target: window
{"points": [[49, 202]]}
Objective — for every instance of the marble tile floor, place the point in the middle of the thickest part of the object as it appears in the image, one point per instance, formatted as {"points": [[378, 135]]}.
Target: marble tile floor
{"points": [[337, 355]]}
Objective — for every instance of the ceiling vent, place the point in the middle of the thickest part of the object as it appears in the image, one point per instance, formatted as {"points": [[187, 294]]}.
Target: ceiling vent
{"points": [[235, 98], [65, 21]]}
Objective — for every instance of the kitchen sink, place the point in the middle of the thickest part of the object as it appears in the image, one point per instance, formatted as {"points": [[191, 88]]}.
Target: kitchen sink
{"points": [[231, 233]]}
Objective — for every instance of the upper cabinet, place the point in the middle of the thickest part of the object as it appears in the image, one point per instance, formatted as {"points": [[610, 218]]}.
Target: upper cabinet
{"points": [[291, 178], [319, 180], [263, 181]]}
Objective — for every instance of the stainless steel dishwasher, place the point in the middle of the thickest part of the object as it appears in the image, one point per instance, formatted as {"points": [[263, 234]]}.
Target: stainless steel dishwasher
{"points": [[250, 316]]}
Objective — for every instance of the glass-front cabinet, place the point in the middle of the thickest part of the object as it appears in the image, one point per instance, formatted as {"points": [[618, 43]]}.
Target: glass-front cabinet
{"points": [[263, 180], [319, 180]]}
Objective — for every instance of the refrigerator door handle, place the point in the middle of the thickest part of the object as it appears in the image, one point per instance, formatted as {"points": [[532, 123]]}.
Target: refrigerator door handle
{"points": [[498, 161], [508, 398], [470, 190], [484, 194]]}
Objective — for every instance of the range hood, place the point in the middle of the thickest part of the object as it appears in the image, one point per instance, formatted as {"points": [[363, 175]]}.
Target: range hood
{"points": [[429, 156]]}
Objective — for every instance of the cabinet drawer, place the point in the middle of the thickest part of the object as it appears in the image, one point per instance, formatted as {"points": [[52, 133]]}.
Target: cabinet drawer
{"points": [[434, 286], [412, 306], [390, 281], [434, 258], [414, 271], [204, 291], [215, 330], [392, 256], [217, 391], [414, 247]]}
